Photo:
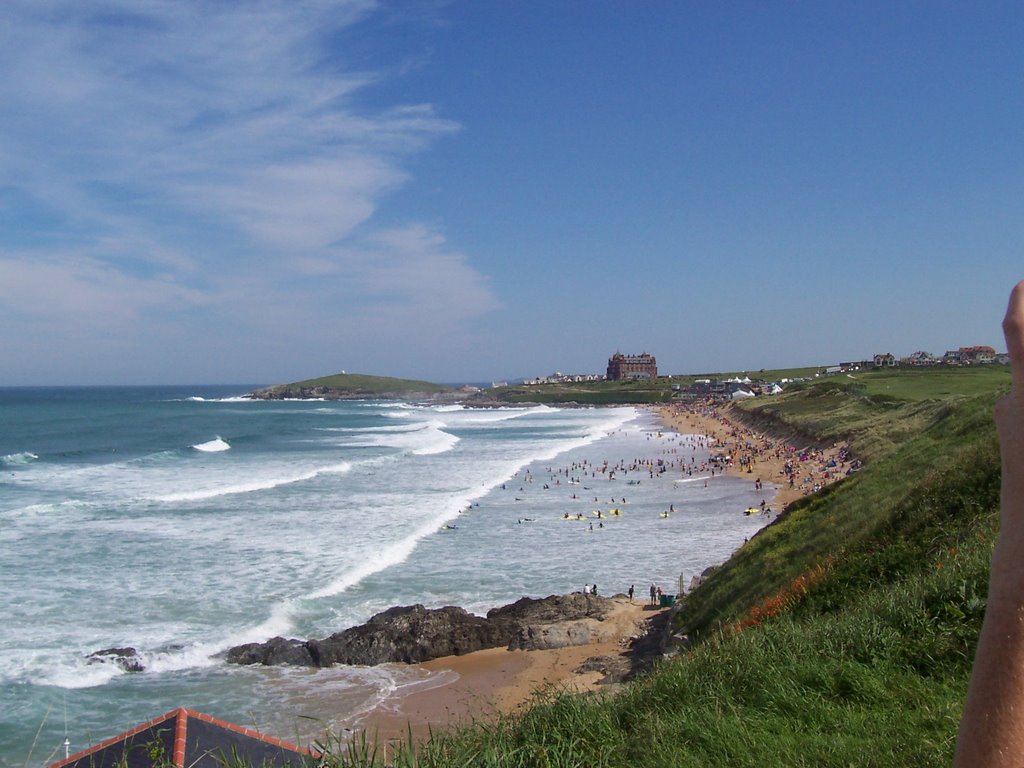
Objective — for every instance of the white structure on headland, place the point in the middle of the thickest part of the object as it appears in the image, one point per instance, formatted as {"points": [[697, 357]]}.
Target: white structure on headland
{"points": [[564, 378]]}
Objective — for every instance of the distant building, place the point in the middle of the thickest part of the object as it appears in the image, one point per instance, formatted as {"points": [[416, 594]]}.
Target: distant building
{"points": [[564, 378], [885, 360], [921, 359], [642, 366], [728, 389], [977, 355]]}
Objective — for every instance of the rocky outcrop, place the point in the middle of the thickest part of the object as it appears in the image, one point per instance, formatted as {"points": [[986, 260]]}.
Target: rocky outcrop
{"points": [[409, 634], [544, 610], [556, 621], [412, 634], [560, 635], [277, 651], [126, 658]]}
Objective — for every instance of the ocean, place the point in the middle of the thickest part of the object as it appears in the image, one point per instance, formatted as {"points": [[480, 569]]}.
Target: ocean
{"points": [[183, 520]]}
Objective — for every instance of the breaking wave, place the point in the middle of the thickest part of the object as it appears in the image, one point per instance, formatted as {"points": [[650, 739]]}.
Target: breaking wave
{"points": [[216, 445], [255, 485], [18, 459]]}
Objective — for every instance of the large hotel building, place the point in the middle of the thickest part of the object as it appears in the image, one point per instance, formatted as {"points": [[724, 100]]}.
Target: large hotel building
{"points": [[622, 366]]}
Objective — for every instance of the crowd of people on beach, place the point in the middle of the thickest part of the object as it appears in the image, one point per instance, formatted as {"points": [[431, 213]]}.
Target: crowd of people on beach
{"points": [[708, 443], [741, 449]]}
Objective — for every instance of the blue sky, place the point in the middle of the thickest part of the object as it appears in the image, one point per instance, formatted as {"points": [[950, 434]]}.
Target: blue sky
{"points": [[258, 192]]}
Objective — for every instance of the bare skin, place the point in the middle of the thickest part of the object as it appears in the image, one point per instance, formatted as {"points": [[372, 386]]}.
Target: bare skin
{"points": [[992, 727]]}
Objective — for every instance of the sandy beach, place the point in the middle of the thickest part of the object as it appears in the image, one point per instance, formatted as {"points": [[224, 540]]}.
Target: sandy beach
{"points": [[499, 681]]}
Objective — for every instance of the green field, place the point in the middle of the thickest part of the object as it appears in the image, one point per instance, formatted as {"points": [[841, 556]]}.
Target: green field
{"points": [[841, 635], [589, 393]]}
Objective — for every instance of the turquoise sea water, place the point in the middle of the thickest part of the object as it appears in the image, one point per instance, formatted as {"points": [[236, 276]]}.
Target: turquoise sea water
{"points": [[181, 521]]}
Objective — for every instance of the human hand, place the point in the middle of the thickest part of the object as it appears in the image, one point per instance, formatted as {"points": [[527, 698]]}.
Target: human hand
{"points": [[1009, 413]]}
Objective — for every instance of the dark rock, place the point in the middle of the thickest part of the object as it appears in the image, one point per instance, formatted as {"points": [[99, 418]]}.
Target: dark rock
{"points": [[555, 621], [545, 610], [277, 651], [410, 634], [126, 658], [614, 668]]}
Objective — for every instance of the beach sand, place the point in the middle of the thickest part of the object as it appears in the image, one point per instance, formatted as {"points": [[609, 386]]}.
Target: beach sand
{"points": [[498, 681]]}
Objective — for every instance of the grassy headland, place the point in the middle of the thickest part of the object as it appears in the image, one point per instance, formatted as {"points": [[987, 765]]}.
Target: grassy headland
{"points": [[351, 386], [840, 635]]}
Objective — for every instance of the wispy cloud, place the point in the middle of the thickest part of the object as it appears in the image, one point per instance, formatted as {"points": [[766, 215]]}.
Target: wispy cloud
{"points": [[154, 154]]}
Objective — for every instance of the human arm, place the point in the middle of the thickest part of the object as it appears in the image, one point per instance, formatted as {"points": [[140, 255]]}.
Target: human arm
{"points": [[992, 727]]}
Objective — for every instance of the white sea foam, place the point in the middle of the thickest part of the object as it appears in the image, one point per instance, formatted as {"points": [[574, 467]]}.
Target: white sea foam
{"points": [[232, 399], [216, 445], [264, 484], [399, 551], [18, 459], [685, 480], [396, 428], [423, 439], [395, 553], [400, 414], [60, 508], [435, 440], [387, 556], [79, 674]]}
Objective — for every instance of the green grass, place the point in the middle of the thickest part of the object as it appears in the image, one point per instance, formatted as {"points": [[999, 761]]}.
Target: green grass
{"points": [[589, 393], [363, 384], [938, 383], [772, 374], [841, 635]]}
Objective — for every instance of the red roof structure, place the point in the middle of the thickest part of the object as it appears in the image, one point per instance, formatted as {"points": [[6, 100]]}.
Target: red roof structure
{"points": [[185, 738]]}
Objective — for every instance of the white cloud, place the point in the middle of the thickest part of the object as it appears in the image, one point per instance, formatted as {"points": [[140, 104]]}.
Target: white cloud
{"points": [[303, 206], [86, 293], [165, 158]]}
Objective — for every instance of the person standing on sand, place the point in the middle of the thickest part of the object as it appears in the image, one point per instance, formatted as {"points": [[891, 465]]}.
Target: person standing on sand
{"points": [[992, 726], [654, 591], [631, 593]]}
